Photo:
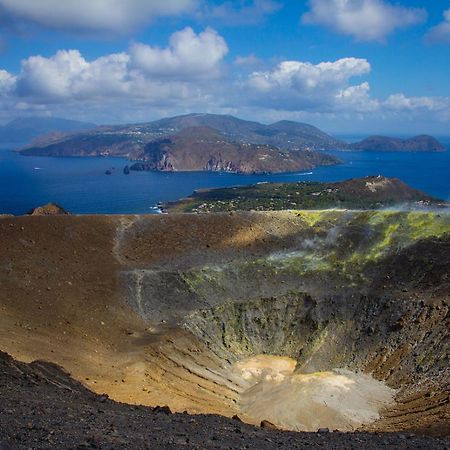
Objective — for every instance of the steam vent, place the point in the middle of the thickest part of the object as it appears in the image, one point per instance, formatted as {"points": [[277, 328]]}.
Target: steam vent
{"points": [[305, 319]]}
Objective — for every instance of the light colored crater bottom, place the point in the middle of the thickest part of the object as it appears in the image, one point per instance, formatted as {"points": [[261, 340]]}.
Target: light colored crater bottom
{"points": [[338, 399]]}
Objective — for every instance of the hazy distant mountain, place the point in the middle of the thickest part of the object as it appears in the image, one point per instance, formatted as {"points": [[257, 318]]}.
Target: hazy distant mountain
{"points": [[204, 148], [22, 131], [421, 143], [284, 134]]}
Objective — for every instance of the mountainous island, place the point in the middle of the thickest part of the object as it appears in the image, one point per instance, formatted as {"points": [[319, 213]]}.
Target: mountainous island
{"points": [[371, 192], [216, 143], [200, 142], [129, 140], [421, 143]]}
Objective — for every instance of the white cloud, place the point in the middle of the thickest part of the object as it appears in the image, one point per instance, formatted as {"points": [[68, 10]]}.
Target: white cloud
{"points": [[7, 82], [366, 20], [188, 56], [441, 32], [399, 102], [356, 98], [120, 16], [297, 85], [114, 88], [120, 86], [143, 72], [125, 16], [159, 82], [67, 74]]}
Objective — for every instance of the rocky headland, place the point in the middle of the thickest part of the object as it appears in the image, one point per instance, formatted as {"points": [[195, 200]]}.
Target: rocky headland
{"points": [[205, 149]]}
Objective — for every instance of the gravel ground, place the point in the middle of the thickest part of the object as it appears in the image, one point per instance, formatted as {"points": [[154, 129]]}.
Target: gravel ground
{"points": [[43, 407]]}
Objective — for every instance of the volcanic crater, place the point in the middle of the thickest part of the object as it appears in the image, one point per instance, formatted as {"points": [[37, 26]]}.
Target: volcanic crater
{"points": [[306, 319]]}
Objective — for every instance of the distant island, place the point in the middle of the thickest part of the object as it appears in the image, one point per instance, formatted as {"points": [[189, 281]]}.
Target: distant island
{"points": [[23, 131], [421, 143], [371, 192], [212, 142]]}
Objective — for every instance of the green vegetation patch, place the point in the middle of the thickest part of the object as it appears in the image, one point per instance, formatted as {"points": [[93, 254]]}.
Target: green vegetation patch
{"points": [[364, 193]]}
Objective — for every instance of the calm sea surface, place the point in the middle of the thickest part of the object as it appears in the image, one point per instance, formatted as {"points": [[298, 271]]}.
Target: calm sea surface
{"points": [[81, 186]]}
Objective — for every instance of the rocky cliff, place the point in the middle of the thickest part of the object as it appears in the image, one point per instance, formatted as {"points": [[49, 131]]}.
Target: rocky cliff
{"points": [[203, 148]]}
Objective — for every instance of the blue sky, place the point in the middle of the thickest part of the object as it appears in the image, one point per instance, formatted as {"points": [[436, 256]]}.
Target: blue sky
{"points": [[347, 66]]}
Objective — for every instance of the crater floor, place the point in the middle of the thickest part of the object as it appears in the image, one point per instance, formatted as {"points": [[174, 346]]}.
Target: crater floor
{"points": [[338, 399]]}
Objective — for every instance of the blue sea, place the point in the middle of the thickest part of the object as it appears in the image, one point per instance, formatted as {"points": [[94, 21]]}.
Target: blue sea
{"points": [[81, 186]]}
